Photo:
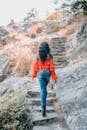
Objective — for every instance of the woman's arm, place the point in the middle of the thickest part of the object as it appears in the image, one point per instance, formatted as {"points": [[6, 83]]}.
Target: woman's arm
{"points": [[52, 69], [34, 69]]}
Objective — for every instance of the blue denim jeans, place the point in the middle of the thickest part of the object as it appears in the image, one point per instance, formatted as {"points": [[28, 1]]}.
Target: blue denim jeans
{"points": [[44, 77]]}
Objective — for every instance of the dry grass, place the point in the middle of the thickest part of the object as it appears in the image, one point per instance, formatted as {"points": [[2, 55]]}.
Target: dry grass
{"points": [[12, 108], [7, 101], [22, 54], [35, 29], [56, 27], [54, 16], [69, 30], [57, 108], [23, 60], [22, 49]]}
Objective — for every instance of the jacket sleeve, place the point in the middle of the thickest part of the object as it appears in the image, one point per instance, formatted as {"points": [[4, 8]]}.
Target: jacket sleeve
{"points": [[34, 69], [52, 69]]}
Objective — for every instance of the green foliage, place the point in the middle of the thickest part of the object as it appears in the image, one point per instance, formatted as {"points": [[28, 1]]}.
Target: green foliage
{"points": [[80, 6], [55, 27], [15, 117]]}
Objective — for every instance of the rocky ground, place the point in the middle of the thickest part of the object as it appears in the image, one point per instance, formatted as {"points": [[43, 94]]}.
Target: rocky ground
{"points": [[71, 92]]}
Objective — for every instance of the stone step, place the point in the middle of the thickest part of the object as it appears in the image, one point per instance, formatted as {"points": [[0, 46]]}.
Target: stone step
{"points": [[53, 126], [59, 39], [49, 109], [60, 57], [60, 60], [38, 119], [57, 44], [55, 56], [31, 93], [58, 51], [59, 54], [62, 65], [58, 48], [37, 101]]}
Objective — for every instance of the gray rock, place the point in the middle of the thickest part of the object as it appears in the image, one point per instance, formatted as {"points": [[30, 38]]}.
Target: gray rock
{"points": [[4, 68], [17, 84], [72, 94], [79, 42]]}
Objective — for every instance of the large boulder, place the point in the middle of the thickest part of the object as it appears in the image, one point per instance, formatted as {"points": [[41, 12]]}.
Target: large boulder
{"points": [[72, 94], [79, 41], [16, 84]]}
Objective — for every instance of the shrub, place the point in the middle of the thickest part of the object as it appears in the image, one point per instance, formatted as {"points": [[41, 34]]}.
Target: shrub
{"points": [[56, 27], [13, 112], [80, 5], [23, 60]]}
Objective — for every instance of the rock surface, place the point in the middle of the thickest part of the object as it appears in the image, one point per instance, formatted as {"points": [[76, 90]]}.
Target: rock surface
{"points": [[79, 42], [17, 84], [72, 94], [4, 66]]}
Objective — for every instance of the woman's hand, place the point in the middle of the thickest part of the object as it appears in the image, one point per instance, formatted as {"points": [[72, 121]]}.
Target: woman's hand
{"points": [[55, 81]]}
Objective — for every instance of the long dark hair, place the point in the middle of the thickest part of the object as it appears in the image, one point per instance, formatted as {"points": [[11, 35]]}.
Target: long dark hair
{"points": [[43, 51]]}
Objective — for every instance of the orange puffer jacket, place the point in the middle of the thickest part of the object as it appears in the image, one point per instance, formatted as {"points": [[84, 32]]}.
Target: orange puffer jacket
{"points": [[47, 65]]}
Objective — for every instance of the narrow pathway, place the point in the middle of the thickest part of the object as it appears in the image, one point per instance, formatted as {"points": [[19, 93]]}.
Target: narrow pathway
{"points": [[52, 121], [59, 49]]}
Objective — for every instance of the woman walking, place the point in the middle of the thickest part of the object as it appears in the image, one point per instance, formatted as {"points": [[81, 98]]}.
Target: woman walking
{"points": [[43, 69]]}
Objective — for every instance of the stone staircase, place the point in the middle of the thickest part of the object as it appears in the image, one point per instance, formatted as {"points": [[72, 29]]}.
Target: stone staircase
{"points": [[53, 120], [58, 49]]}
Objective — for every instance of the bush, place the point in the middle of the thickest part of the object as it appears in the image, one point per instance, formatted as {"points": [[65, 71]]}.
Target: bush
{"points": [[13, 113], [80, 6], [23, 59], [56, 27]]}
